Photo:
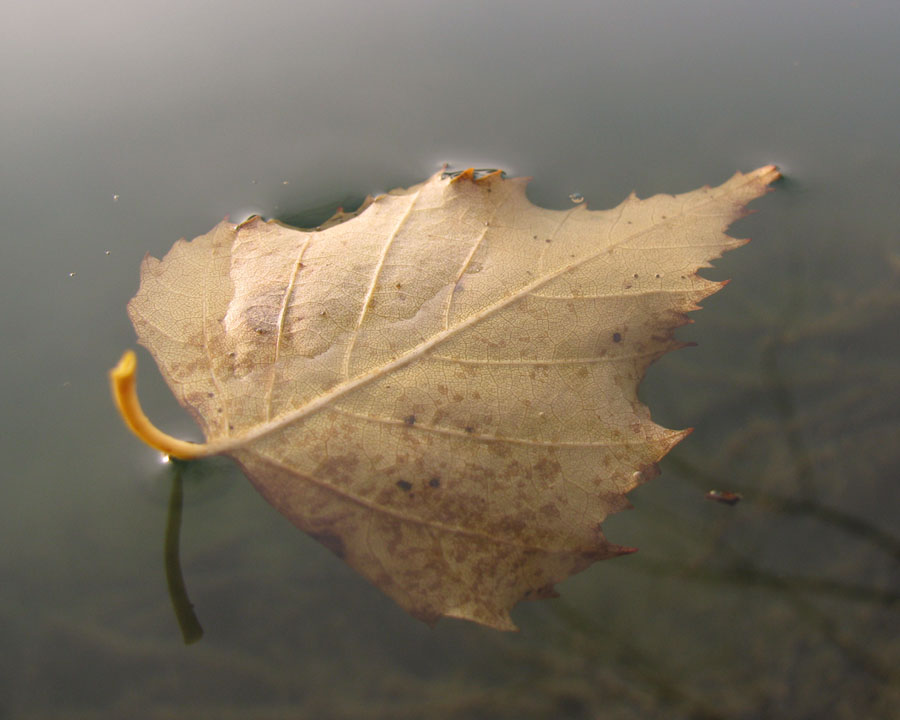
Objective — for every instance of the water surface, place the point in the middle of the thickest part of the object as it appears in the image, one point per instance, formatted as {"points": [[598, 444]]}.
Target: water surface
{"points": [[125, 128]]}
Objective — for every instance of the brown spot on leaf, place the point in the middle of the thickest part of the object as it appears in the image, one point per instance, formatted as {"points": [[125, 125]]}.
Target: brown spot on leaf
{"points": [[546, 469]]}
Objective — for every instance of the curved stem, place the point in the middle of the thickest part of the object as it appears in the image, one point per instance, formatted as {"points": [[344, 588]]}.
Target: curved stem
{"points": [[124, 389]]}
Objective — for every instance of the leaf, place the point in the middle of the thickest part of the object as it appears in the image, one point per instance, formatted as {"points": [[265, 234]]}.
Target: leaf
{"points": [[442, 388]]}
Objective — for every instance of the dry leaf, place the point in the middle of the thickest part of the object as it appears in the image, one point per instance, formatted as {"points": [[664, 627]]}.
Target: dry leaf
{"points": [[441, 389]]}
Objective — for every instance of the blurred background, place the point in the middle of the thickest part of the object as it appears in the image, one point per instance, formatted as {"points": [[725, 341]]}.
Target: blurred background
{"points": [[125, 126]]}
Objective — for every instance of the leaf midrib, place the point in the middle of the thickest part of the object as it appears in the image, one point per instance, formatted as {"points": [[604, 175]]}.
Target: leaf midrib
{"points": [[263, 429]]}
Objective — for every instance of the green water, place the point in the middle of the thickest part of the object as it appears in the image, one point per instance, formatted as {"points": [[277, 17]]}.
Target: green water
{"points": [[125, 127]]}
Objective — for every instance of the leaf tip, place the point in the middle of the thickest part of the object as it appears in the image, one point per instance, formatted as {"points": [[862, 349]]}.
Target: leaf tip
{"points": [[769, 174], [618, 550]]}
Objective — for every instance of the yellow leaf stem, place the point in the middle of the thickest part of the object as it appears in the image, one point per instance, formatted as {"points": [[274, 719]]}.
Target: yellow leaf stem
{"points": [[123, 379]]}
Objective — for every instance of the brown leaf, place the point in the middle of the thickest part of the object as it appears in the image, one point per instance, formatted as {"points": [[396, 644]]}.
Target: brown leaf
{"points": [[443, 389]]}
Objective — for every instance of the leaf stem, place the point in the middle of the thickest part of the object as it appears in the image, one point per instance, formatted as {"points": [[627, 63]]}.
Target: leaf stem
{"points": [[123, 380], [191, 630]]}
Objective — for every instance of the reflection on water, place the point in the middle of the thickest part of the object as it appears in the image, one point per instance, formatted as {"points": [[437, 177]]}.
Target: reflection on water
{"points": [[191, 629]]}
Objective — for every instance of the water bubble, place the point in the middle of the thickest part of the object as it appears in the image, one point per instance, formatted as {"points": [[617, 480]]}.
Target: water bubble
{"points": [[72, 274], [106, 252], [576, 198], [115, 198]]}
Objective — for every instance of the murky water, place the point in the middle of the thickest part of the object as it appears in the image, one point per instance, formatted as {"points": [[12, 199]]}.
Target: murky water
{"points": [[127, 127]]}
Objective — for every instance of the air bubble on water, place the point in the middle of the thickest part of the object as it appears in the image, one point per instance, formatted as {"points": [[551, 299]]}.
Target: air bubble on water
{"points": [[576, 198], [285, 182], [115, 198], [72, 274], [106, 252]]}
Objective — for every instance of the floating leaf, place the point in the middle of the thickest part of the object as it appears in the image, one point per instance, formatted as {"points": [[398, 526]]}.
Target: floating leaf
{"points": [[442, 387]]}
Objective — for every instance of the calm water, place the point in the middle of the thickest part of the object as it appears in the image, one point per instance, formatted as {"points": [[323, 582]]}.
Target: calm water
{"points": [[126, 126]]}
